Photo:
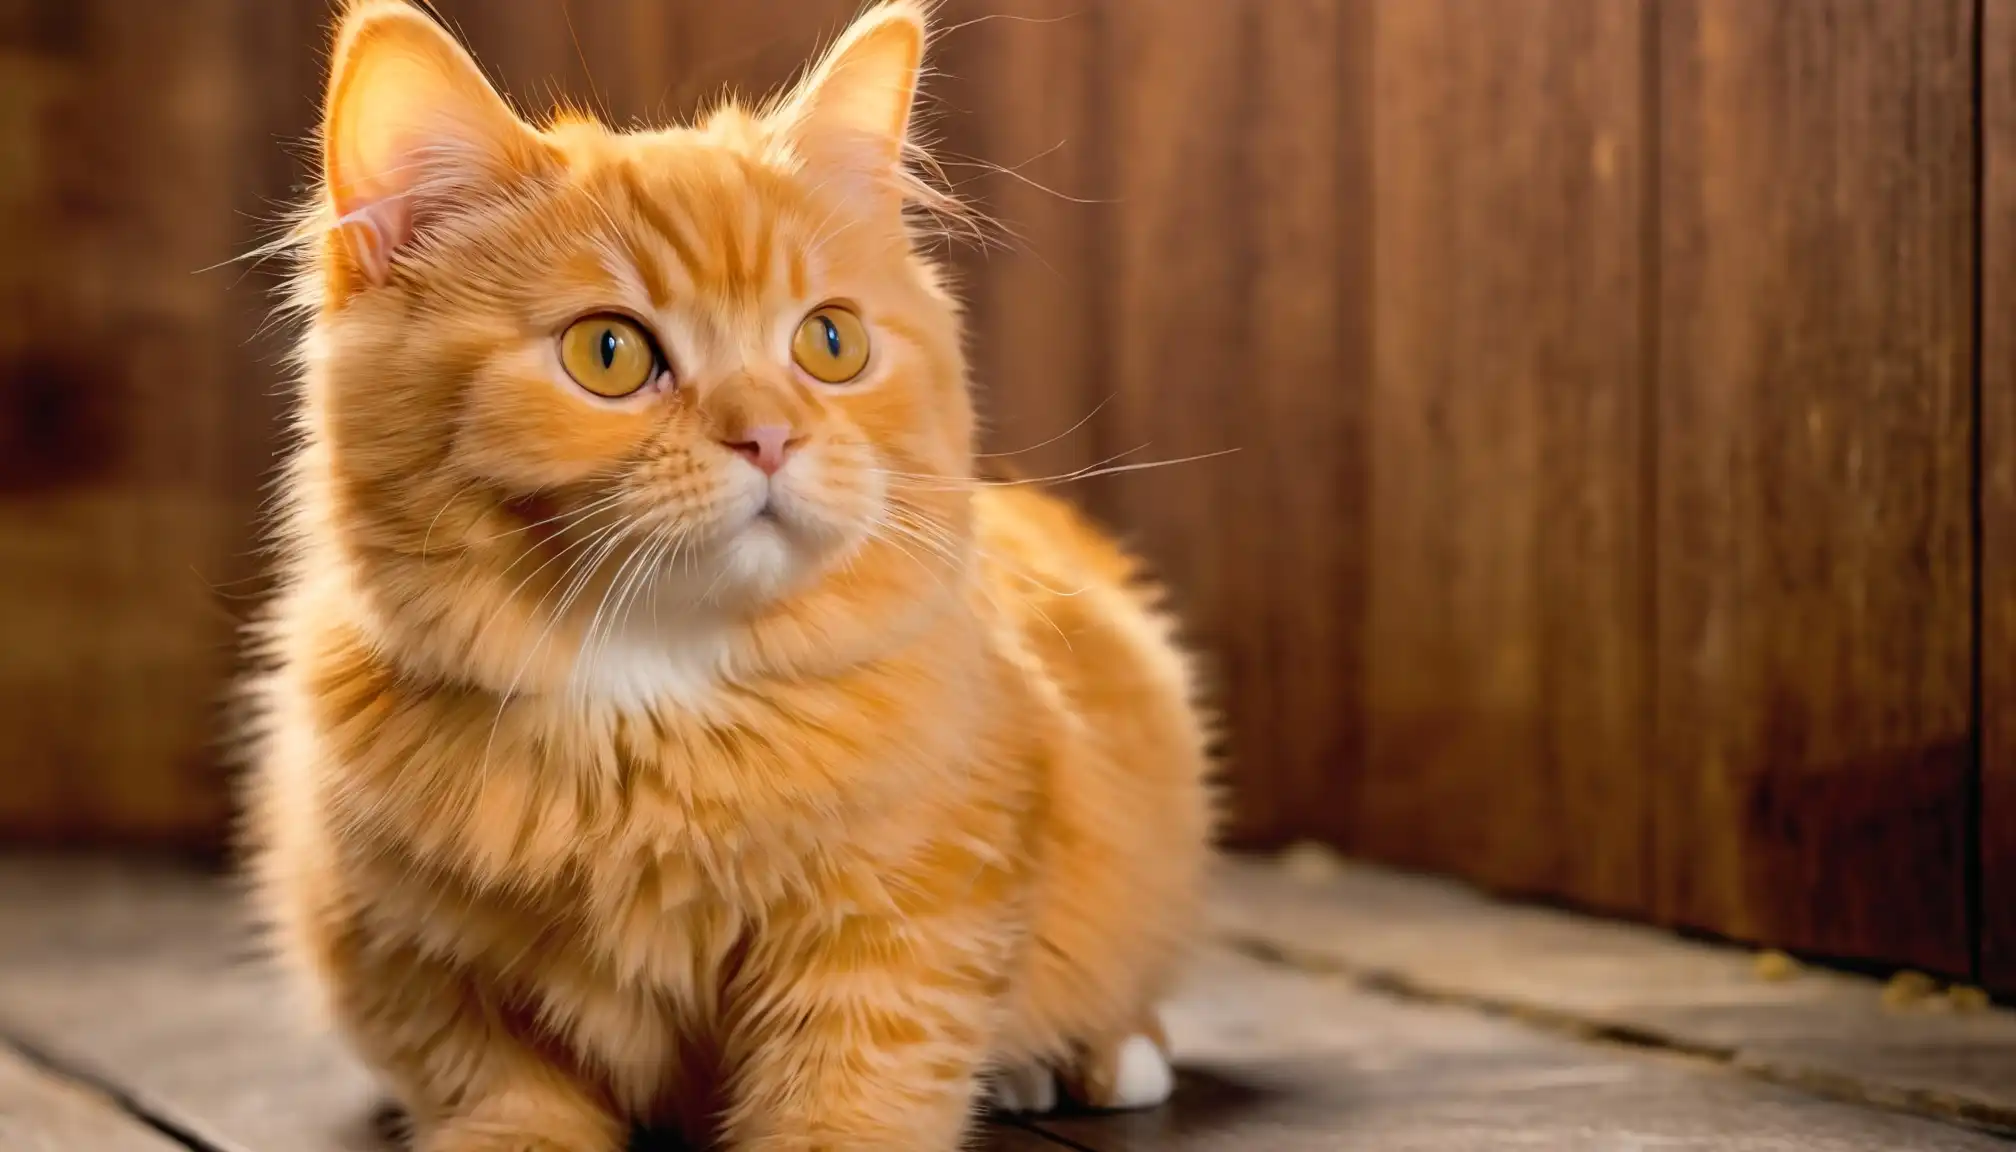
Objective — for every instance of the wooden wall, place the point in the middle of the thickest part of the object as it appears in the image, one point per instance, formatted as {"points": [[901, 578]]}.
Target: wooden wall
{"points": [[1604, 518], [1997, 523], [136, 143], [1814, 621]]}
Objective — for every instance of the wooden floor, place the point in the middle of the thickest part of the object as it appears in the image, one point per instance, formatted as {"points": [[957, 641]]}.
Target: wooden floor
{"points": [[1355, 1011]]}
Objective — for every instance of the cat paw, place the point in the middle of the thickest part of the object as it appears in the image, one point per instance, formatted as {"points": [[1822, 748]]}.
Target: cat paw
{"points": [[1143, 1078], [1028, 1090], [1132, 1075]]}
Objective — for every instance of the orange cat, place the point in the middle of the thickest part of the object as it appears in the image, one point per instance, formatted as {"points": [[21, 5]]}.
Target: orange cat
{"points": [[660, 725]]}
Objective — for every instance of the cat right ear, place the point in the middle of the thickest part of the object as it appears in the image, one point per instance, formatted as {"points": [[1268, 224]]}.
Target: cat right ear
{"points": [[410, 129]]}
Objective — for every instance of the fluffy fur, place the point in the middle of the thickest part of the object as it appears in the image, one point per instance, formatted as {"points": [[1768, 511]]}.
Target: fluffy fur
{"points": [[603, 780]]}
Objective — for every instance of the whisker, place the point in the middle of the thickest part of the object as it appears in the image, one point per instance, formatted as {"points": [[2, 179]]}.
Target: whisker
{"points": [[1089, 473], [587, 564], [511, 597], [1086, 419], [962, 483], [427, 540], [577, 514], [617, 602]]}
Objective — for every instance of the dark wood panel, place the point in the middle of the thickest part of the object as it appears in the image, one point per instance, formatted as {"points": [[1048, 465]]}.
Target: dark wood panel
{"points": [[1507, 634], [1816, 250], [1031, 159], [642, 60], [1236, 292], [1175, 83], [1997, 575], [1300, 486], [124, 509]]}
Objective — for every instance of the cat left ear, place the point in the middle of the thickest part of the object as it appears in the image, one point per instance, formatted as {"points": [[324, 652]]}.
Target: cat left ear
{"points": [[851, 114], [410, 130]]}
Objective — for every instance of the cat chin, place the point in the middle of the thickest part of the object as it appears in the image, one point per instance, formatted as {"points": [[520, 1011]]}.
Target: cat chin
{"points": [[763, 560]]}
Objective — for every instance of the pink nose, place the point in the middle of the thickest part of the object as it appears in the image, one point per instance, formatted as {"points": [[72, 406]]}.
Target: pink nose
{"points": [[766, 446]]}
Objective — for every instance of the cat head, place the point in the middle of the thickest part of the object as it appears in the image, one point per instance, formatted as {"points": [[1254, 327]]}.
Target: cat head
{"points": [[562, 378]]}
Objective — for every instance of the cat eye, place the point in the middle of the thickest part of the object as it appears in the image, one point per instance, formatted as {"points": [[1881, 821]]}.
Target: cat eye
{"points": [[609, 356], [831, 345]]}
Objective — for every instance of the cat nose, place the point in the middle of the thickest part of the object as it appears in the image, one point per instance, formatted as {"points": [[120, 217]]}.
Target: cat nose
{"points": [[766, 446]]}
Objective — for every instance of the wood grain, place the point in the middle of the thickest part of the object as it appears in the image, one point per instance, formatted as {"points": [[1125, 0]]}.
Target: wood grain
{"points": [[1447, 942], [1031, 159], [1997, 413], [1179, 268], [1597, 371], [1300, 494], [139, 971], [122, 505], [1235, 311], [648, 61], [1506, 626], [1814, 562], [42, 1112]]}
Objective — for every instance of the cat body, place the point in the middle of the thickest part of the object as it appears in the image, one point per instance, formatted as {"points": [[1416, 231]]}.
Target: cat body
{"points": [[658, 724]]}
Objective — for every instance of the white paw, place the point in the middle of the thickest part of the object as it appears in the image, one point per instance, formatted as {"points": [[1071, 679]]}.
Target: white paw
{"points": [[1142, 1077], [1030, 1089]]}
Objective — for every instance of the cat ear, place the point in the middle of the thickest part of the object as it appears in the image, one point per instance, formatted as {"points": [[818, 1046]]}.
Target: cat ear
{"points": [[410, 128], [851, 113]]}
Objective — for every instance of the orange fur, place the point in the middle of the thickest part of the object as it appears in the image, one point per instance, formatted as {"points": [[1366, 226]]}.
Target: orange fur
{"points": [[590, 789]]}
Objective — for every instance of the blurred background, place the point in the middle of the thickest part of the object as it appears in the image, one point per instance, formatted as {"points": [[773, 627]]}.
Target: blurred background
{"points": [[1626, 477]]}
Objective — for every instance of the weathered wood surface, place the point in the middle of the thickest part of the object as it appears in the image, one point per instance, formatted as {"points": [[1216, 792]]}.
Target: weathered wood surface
{"points": [[1997, 413], [1505, 653], [1821, 1028], [141, 976], [43, 1112], [1814, 753]]}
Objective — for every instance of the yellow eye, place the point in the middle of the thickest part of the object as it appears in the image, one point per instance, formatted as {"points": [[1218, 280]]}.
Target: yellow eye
{"points": [[608, 355], [832, 345]]}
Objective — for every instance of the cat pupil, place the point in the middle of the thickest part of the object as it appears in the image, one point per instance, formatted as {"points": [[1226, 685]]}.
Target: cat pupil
{"points": [[832, 337], [608, 347]]}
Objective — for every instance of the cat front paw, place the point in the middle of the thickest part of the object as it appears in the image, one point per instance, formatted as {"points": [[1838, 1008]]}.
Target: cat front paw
{"points": [[1025, 1090], [1129, 1076]]}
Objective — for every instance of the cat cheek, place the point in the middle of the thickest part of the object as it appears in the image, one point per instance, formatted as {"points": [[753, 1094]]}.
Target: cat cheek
{"points": [[834, 505]]}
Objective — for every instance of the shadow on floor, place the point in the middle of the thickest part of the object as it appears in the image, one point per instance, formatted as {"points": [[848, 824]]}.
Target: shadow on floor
{"points": [[1205, 1099]]}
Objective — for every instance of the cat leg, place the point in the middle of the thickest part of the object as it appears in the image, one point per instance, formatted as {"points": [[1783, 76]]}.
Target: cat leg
{"points": [[524, 1115], [468, 1083], [869, 1041]]}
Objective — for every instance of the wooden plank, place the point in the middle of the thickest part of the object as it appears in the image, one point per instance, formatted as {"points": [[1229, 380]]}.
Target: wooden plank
{"points": [[141, 973], [528, 50], [650, 61], [1234, 322], [1833, 1032], [1814, 560], [1293, 626], [1507, 622], [42, 1112], [148, 976], [1174, 77], [1997, 577], [751, 48], [1030, 157], [1275, 1059], [1200, 301], [120, 494]]}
